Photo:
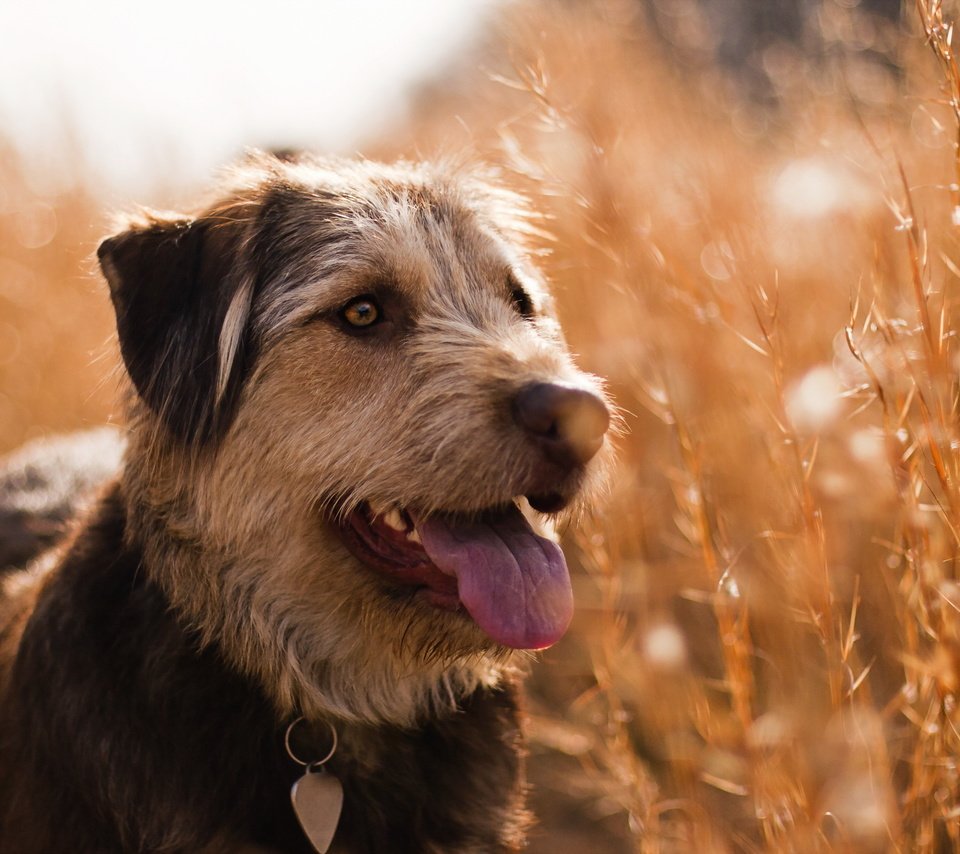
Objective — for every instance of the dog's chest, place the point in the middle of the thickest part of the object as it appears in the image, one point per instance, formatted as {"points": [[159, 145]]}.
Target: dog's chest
{"points": [[450, 784]]}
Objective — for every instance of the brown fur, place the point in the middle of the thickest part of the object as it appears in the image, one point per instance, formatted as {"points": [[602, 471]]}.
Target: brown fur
{"points": [[257, 424]]}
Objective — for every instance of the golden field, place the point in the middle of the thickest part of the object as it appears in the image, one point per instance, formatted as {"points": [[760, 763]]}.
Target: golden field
{"points": [[766, 654]]}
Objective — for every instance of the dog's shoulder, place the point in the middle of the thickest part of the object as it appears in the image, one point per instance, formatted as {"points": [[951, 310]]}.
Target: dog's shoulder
{"points": [[134, 735]]}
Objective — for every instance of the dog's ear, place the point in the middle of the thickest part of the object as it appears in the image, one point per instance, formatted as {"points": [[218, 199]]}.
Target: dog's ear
{"points": [[181, 299]]}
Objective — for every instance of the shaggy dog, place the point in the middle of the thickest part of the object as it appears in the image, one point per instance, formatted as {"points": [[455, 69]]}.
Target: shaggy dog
{"points": [[352, 406]]}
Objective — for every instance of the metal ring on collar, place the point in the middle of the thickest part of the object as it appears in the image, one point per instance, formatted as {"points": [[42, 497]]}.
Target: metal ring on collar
{"points": [[318, 762]]}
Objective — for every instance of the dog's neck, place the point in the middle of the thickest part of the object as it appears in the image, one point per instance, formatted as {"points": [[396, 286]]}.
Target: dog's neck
{"points": [[269, 598]]}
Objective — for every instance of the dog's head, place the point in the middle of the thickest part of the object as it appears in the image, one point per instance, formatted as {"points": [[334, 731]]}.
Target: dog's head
{"points": [[352, 400]]}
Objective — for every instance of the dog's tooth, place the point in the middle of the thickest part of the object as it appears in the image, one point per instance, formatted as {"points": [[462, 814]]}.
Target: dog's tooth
{"points": [[393, 520], [414, 536]]}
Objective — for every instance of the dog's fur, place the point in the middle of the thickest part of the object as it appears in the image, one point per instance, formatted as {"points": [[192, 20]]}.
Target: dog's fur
{"points": [[149, 667]]}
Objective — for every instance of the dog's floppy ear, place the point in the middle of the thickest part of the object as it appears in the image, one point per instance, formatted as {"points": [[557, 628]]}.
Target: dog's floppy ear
{"points": [[181, 300]]}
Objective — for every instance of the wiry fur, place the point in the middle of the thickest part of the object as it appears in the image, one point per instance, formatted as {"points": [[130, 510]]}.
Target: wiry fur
{"points": [[258, 423]]}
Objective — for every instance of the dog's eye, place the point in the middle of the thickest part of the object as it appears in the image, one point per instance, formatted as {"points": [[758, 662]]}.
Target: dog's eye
{"points": [[361, 312], [521, 300]]}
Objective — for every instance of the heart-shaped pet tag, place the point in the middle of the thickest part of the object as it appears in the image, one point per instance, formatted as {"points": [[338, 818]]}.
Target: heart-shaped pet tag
{"points": [[317, 800]]}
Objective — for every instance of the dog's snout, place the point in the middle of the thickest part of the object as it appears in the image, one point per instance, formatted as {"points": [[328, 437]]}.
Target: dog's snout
{"points": [[567, 422]]}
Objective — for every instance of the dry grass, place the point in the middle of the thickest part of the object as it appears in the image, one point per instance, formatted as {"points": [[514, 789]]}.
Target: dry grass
{"points": [[766, 655], [55, 318]]}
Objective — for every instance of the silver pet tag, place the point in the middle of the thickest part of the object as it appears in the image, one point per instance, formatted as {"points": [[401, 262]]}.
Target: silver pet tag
{"points": [[317, 796], [317, 800]]}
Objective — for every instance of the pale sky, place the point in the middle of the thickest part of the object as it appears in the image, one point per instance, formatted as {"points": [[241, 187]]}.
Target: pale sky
{"points": [[186, 85]]}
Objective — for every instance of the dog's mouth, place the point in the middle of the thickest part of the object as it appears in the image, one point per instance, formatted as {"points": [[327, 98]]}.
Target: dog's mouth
{"points": [[512, 582]]}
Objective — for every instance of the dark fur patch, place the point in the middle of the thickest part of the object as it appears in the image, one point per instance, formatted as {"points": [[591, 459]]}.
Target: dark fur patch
{"points": [[172, 283]]}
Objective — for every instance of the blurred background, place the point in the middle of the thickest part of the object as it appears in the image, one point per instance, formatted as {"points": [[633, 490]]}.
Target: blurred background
{"points": [[753, 209]]}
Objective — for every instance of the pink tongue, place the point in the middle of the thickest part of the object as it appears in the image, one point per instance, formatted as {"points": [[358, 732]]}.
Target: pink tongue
{"points": [[514, 583]]}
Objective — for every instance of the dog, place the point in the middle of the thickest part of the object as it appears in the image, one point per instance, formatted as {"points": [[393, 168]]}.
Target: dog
{"points": [[352, 422]]}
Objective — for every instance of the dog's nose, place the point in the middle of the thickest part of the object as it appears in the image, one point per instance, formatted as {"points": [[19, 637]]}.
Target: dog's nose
{"points": [[567, 422]]}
